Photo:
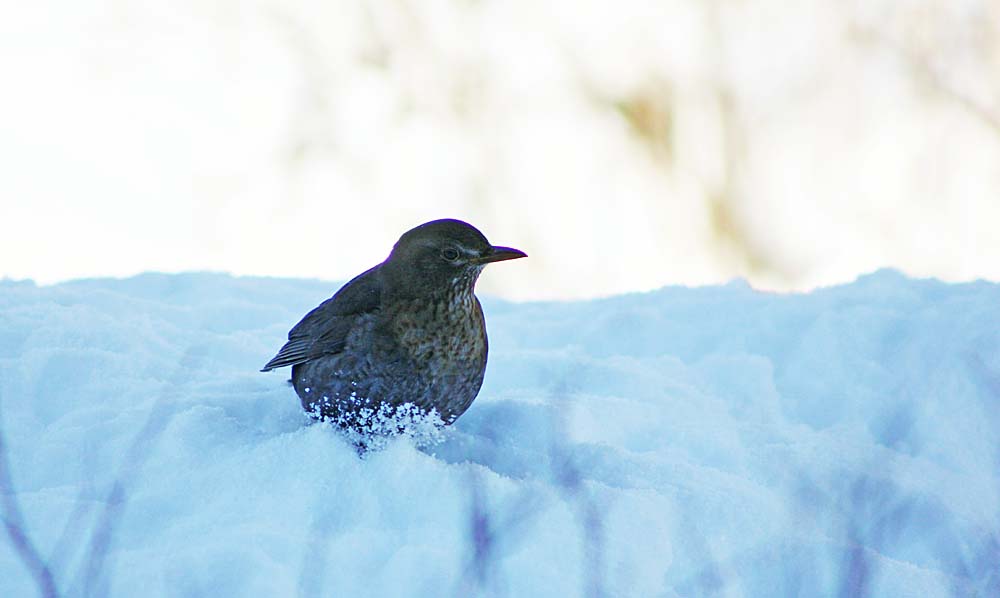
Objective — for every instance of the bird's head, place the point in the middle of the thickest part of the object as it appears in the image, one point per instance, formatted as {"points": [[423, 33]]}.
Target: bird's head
{"points": [[440, 256]]}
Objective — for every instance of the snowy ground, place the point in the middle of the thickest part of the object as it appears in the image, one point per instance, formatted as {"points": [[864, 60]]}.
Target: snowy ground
{"points": [[685, 442]]}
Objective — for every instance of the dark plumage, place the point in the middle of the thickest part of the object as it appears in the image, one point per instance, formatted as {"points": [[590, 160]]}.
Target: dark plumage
{"points": [[409, 330]]}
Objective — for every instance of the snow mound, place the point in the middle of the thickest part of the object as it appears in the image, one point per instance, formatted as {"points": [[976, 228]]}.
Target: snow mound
{"points": [[684, 442]]}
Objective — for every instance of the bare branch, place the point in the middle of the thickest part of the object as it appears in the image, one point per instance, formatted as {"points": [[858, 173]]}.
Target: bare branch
{"points": [[17, 532]]}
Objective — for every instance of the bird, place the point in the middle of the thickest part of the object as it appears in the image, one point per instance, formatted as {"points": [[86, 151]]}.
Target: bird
{"points": [[407, 334]]}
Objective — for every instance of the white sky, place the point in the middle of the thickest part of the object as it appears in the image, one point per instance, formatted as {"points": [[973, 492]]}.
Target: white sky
{"points": [[300, 139]]}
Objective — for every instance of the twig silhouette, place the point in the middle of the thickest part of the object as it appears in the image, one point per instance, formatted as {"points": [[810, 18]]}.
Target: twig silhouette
{"points": [[102, 536], [73, 528], [16, 530], [568, 477], [482, 535]]}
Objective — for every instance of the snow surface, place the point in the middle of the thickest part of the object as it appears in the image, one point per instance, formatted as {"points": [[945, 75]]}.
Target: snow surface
{"points": [[684, 442]]}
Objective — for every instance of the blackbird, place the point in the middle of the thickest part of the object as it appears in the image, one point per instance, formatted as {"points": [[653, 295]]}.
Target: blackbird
{"points": [[408, 332]]}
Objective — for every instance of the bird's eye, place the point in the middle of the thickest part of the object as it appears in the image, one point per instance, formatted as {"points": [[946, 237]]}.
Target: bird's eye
{"points": [[449, 253]]}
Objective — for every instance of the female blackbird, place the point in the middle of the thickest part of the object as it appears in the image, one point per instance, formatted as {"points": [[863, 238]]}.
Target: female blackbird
{"points": [[408, 331]]}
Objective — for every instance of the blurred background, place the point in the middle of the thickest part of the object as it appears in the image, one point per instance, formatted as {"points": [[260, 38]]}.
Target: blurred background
{"points": [[624, 145]]}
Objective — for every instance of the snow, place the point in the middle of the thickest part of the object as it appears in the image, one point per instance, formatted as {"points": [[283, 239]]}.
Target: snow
{"points": [[682, 442]]}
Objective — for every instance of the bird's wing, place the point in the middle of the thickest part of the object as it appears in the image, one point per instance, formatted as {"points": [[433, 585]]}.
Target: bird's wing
{"points": [[324, 330]]}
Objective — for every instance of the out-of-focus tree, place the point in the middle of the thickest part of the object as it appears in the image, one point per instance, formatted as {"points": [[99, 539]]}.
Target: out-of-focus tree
{"points": [[625, 145], [679, 109], [951, 50]]}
